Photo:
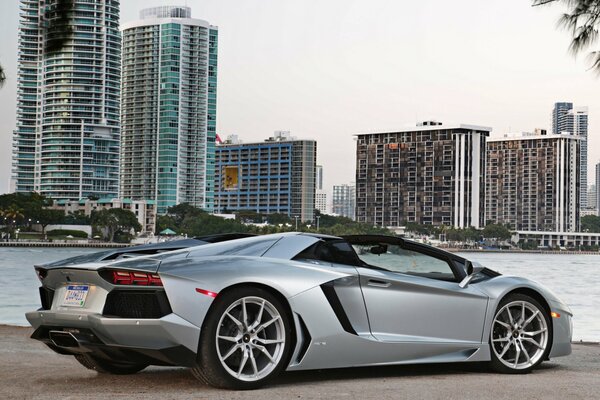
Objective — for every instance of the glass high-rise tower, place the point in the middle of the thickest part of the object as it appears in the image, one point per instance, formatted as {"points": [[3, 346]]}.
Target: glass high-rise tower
{"points": [[169, 96], [66, 143], [574, 120]]}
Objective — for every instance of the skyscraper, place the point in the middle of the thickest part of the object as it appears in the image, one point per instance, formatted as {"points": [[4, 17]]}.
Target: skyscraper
{"points": [[429, 174], [592, 201], [344, 200], [319, 177], [66, 143], [532, 182], [169, 97], [274, 176], [561, 118], [598, 187], [574, 120], [320, 194]]}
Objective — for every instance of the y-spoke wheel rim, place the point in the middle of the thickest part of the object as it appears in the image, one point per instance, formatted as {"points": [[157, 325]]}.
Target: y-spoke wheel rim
{"points": [[519, 334], [250, 338]]}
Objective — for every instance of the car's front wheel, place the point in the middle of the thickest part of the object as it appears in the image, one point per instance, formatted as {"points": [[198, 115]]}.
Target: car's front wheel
{"points": [[521, 334], [245, 341]]}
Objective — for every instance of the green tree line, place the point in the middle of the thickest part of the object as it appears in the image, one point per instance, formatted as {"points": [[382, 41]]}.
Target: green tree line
{"points": [[189, 220]]}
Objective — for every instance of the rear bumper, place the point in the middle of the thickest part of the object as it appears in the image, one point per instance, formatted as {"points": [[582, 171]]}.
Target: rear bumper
{"points": [[169, 340]]}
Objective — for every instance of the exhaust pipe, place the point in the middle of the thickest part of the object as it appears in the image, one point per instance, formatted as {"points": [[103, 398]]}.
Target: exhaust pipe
{"points": [[63, 339]]}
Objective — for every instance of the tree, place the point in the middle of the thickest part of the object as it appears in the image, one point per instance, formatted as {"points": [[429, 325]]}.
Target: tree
{"points": [[47, 217], [590, 223], [582, 20], [13, 213], [2, 76], [76, 218], [496, 231], [109, 222]]}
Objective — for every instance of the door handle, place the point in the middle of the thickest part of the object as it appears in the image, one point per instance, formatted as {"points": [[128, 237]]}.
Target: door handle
{"points": [[378, 283]]}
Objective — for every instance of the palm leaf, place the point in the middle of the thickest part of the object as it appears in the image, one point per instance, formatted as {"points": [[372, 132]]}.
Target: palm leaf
{"points": [[2, 76], [581, 20]]}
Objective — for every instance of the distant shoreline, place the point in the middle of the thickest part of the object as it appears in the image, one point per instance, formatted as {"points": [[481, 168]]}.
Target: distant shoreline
{"points": [[63, 244], [559, 252]]}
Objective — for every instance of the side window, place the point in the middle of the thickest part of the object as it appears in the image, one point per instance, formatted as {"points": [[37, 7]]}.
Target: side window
{"points": [[334, 251], [394, 258]]}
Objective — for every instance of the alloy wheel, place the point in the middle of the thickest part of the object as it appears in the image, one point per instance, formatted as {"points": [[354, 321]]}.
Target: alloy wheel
{"points": [[250, 338], [519, 336]]}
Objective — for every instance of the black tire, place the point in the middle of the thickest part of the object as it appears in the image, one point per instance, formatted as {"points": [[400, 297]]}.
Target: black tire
{"points": [[507, 340], [108, 367], [212, 371]]}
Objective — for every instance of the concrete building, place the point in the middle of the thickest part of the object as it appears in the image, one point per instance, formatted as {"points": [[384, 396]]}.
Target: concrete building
{"points": [[321, 201], [558, 240], [66, 143], [145, 211], [169, 108], [428, 174], [532, 182], [591, 201], [274, 176], [343, 202], [320, 194], [592, 193], [597, 186], [574, 121], [319, 177]]}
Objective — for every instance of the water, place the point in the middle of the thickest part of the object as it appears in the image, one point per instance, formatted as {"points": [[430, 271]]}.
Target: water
{"points": [[18, 281], [574, 278]]}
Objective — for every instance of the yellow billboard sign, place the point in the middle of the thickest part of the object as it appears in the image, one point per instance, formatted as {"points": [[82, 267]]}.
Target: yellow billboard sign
{"points": [[231, 177]]}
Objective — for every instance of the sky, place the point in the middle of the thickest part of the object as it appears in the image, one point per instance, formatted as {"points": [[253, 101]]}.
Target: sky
{"points": [[327, 70]]}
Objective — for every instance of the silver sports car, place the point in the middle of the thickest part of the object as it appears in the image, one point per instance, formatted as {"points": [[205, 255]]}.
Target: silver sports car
{"points": [[239, 310]]}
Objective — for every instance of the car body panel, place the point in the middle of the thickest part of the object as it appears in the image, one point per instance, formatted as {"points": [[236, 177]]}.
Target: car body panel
{"points": [[411, 308]]}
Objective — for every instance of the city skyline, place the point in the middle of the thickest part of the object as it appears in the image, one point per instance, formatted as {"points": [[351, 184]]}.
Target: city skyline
{"points": [[312, 83]]}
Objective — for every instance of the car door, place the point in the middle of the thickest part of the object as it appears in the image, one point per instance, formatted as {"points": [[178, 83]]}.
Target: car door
{"points": [[412, 293]]}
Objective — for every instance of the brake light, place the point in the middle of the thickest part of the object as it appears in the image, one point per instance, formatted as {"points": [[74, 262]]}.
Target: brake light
{"points": [[138, 278]]}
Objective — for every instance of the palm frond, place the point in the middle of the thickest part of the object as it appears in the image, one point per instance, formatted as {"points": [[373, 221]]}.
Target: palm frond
{"points": [[593, 59], [581, 20]]}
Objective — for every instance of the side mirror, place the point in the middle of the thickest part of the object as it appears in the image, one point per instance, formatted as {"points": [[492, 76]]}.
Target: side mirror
{"points": [[471, 270], [379, 249], [469, 267]]}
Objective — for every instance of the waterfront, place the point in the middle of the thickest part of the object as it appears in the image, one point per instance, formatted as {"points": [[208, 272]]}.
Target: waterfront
{"points": [[574, 278]]}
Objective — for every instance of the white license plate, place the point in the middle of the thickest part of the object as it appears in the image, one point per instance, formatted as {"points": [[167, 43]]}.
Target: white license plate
{"points": [[75, 295]]}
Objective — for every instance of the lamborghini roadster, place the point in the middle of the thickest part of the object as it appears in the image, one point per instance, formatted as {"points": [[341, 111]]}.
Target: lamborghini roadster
{"points": [[239, 310]]}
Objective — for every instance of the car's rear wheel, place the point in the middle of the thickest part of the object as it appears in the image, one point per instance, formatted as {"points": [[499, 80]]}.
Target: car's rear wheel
{"points": [[245, 341], [521, 334], [108, 367]]}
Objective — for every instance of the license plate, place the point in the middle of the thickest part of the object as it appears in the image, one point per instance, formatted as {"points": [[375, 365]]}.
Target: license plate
{"points": [[75, 295]]}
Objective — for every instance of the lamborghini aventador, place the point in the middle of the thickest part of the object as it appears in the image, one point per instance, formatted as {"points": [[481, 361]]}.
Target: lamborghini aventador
{"points": [[239, 310]]}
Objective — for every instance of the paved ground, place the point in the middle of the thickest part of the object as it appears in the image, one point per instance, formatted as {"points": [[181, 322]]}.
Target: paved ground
{"points": [[29, 370]]}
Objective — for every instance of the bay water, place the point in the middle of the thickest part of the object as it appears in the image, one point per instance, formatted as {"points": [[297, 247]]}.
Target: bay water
{"points": [[574, 278]]}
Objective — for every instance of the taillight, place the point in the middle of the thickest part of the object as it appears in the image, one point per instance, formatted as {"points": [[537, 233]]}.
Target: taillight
{"points": [[136, 278]]}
